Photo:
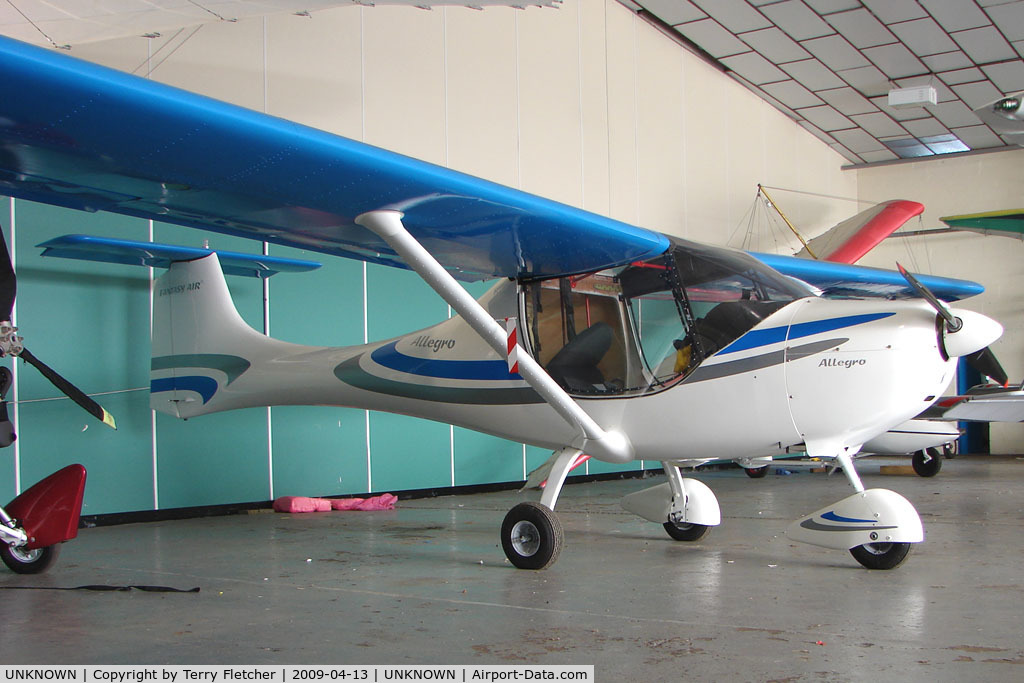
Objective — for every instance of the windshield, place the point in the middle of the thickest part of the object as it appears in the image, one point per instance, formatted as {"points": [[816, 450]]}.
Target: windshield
{"points": [[644, 326]]}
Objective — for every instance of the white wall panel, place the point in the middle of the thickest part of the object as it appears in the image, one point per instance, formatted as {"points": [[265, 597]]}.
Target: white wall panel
{"points": [[480, 62], [622, 115], [549, 104], [403, 53], [321, 55], [956, 186]]}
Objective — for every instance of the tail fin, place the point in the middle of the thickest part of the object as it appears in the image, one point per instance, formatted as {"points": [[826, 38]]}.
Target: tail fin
{"points": [[200, 342]]}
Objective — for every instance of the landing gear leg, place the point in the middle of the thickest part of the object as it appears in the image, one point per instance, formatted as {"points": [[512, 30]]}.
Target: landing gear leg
{"points": [[531, 534]]}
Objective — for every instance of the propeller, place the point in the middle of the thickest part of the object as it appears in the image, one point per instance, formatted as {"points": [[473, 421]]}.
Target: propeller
{"points": [[964, 333], [12, 345]]}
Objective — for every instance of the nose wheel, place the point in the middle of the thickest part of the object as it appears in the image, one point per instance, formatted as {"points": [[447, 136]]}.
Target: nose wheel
{"points": [[23, 561], [531, 536]]}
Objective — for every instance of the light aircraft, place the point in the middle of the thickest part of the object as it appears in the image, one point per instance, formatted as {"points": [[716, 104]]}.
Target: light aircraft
{"points": [[621, 343]]}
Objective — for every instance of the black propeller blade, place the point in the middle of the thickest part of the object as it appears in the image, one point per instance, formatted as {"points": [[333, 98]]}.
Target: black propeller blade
{"points": [[985, 362], [11, 344]]}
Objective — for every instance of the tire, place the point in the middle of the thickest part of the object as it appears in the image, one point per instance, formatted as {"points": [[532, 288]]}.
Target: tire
{"points": [[686, 532], [756, 472], [22, 561], [531, 536], [927, 463], [881, 555]]}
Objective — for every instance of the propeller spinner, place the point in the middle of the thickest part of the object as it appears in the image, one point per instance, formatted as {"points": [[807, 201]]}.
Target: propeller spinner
{"points": [[964, 333]]}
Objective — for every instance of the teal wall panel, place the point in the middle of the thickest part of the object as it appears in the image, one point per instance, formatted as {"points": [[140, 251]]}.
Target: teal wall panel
{"points": [[119, 463], [407, 453], [213, 460], [90, 322], [484, 459], [319, 451], [7, 462]]}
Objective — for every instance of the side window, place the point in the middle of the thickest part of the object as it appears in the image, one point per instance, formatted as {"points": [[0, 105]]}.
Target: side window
{"points": [[665, 345], [576, 330]]}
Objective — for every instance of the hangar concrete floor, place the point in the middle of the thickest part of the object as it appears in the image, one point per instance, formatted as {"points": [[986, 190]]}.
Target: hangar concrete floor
{"points": [[427, 584]]}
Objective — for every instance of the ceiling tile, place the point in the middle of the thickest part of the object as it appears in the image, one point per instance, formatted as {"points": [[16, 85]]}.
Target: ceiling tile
{"points": [[878, 155], [955, 15], [775, 45], [978, 137], [830, 6], [813, 75], [861, 28], [792, 94], [836, 52], [891, 11], [953, 114], [962, 76], [909, 114], [984, 45], [673, 12], [924, 37], [846, 154], [847, 100], [952, 145], [1008, 76], [921, 128], [826, 118], [735, 15], [769, 99], [1010, 19], [977, 94], [857, 140], [816, 132], [908, 148], [712, 38], [796, 19], [754, 68], [879, 125], [867, 79], [947, 61], [895, 60]]}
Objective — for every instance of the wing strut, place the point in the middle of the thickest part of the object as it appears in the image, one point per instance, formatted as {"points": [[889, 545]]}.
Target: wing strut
{"points": [[610, 446]]}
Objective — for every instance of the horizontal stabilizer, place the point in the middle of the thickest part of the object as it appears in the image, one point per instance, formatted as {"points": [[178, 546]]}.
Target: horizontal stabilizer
{"points": [[91, 248]]}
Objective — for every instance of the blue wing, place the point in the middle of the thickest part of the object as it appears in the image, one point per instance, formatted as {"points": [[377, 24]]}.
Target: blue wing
{"points": [[845, 280], [79, 135]]}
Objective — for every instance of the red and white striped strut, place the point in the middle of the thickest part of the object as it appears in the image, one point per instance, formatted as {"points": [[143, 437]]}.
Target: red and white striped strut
{"points": [[512, 329]]}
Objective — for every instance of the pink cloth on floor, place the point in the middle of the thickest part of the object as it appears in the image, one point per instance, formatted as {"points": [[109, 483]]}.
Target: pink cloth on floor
{"points": [[385, 501], [301, 504]]}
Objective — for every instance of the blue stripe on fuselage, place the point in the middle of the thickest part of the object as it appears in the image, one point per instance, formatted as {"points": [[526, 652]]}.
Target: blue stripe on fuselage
{"points": [[773, 335], [391, 358]]}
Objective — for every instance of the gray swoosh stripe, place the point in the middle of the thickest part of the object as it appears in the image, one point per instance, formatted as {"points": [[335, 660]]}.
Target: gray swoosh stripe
{"points": [[350, 373], [818, 526], [765, 360]]}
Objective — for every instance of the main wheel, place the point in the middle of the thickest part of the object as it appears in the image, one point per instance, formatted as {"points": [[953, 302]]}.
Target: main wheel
{"points": [[756, 472], [682, 531], [927, 463], [531, 536], [23, 561], [881, 555]]}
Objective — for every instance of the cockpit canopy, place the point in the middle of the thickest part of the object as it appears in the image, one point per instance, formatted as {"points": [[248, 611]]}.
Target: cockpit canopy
{"points": [[648, 325]]}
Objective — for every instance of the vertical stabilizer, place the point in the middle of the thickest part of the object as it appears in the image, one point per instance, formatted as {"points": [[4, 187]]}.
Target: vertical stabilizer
{"points": [[200, 342]]}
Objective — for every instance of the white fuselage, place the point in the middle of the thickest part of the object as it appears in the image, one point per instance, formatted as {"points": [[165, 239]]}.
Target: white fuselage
{"points": [[829, 374]]}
